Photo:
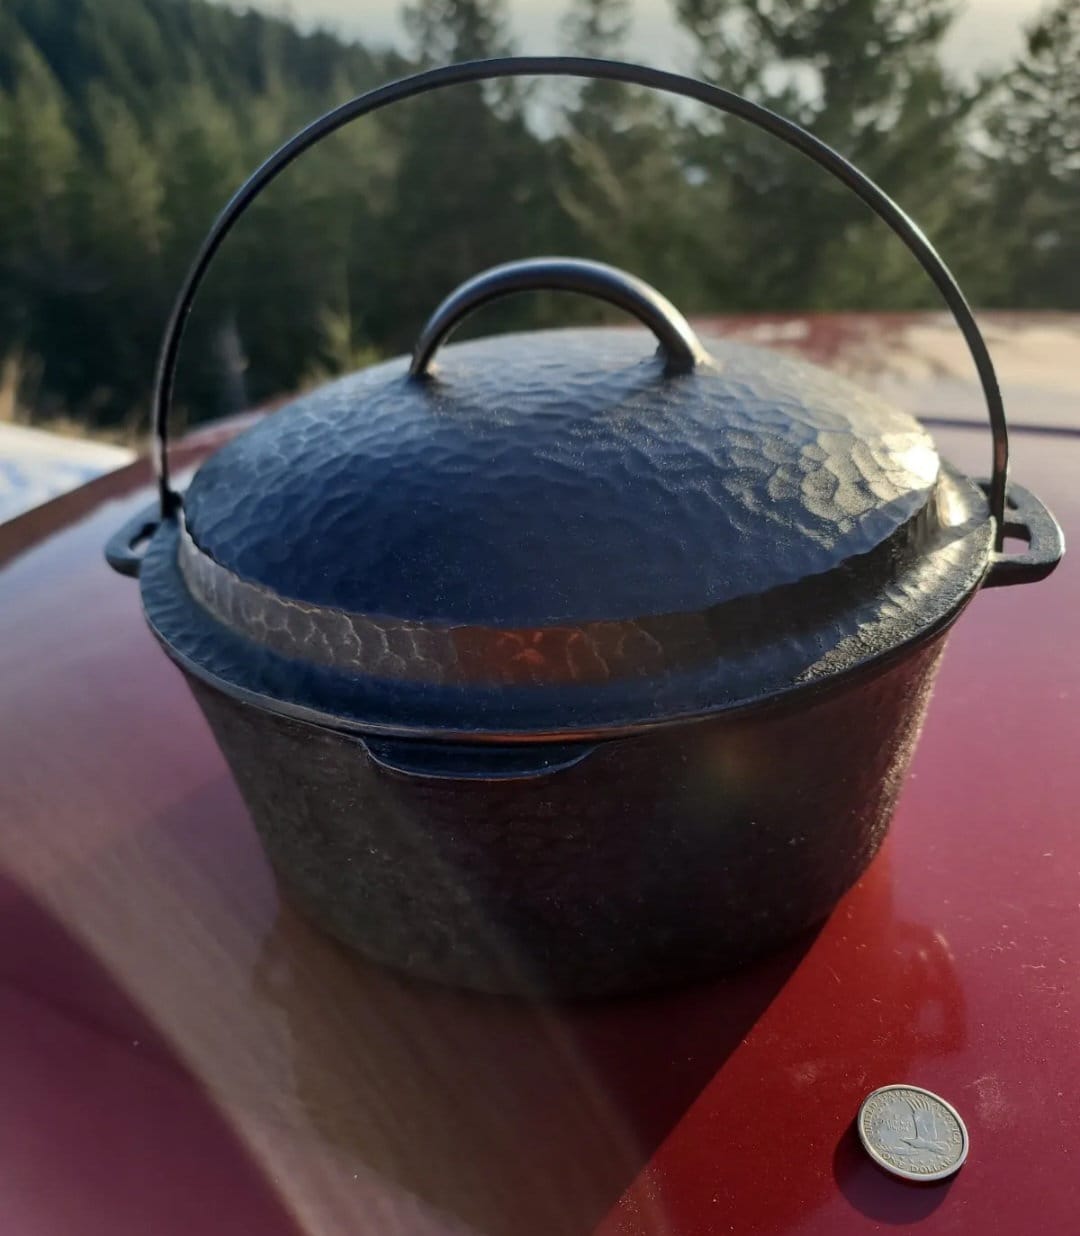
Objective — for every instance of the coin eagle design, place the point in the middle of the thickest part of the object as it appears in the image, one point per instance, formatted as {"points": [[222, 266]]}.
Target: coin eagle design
{"points": [[912, 1133]]}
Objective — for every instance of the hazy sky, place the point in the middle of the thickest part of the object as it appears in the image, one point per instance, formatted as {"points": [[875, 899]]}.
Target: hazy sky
{"points": [[987, 32]]}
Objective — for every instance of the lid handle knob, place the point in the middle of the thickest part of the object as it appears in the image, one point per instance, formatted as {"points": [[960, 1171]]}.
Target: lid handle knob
{"points": [[681, 347]]}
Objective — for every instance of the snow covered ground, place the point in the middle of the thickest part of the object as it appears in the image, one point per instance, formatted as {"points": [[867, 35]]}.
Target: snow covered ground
{"points": [[36, 466]]}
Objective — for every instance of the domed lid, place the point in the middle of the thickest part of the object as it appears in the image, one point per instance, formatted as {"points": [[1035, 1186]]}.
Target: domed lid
{"points": [[566, 530]]}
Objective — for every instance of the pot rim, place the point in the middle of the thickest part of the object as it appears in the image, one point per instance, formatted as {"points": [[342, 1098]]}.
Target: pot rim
{"points": [[800, 693]]}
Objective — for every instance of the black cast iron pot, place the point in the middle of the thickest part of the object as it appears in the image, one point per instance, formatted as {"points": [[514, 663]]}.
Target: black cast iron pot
{"points": [[571, 665]]}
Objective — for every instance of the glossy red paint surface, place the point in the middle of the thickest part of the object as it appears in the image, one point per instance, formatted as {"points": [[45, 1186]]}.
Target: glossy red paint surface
{"points": [[180, 1052]]}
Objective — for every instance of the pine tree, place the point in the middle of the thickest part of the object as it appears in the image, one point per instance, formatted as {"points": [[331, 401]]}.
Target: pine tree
{"points": [[124, 204], [621, 173], [39, 269], [1033, 172], [866, 76], [38, 156], [471, 188], [446, 31]]}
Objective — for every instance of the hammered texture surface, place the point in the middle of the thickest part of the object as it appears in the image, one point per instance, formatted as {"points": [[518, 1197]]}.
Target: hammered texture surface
{"points": [[655, 860], [561, 475], [372, 678]]}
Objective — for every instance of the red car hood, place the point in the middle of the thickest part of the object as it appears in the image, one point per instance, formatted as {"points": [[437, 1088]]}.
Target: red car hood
{"points": [[182, 1054]]}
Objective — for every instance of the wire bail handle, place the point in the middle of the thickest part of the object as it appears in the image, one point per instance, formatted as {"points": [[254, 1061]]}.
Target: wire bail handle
{"points": [[611, 70]]}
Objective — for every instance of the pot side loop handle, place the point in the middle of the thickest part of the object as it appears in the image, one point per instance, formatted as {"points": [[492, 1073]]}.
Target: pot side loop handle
{"points": [[682, 349], [584, 67]]}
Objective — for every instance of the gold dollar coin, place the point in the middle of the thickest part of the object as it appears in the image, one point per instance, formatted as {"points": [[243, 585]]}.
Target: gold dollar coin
{"points": [[912, 1133]]}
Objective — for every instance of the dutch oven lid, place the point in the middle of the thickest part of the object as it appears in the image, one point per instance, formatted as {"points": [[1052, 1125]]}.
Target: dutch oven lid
{"points": [[569, 530]]}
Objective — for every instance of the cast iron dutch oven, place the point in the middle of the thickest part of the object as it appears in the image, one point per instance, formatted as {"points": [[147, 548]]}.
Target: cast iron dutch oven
{"points": [[559, 662]]}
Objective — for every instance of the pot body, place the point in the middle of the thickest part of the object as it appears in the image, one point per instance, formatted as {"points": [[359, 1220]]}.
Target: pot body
{"points": [[657, 859]]}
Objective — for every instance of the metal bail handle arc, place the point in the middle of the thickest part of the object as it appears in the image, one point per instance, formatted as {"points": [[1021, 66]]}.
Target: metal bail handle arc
{"points": [[585, 67]]}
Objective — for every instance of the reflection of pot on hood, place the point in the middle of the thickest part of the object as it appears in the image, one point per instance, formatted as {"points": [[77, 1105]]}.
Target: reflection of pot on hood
{"points": [[520, 1119], [533, 1120]]}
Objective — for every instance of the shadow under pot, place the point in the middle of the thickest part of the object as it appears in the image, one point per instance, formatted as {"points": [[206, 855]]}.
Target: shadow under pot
{"points": [[571, 665]]}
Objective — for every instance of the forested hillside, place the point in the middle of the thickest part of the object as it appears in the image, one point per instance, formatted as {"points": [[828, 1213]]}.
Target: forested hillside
{"points": [[126, 124]]}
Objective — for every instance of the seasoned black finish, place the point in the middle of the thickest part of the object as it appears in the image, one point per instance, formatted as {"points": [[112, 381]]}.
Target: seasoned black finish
{"points": [[812, 639], [654, 861], [562, 476], [567, 668], [1029, 521], [122, 550], [681, 348]]}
